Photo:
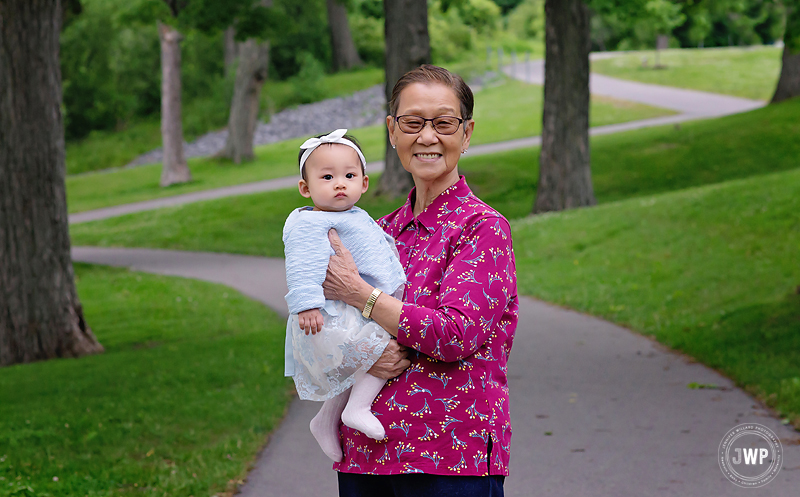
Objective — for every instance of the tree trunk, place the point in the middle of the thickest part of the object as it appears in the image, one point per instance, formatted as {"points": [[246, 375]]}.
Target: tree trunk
{"points": [[565, 179], [407, 47], [250, 76], [345, 55], [231, 50], [40, 314], [175, 169], [789, 82]]}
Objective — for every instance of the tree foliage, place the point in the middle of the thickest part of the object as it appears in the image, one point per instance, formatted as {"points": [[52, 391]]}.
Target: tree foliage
{"points": [[633, 24]]}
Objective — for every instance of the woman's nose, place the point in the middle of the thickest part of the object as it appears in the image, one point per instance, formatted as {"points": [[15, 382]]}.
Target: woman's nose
{"points": [[427, 134]]}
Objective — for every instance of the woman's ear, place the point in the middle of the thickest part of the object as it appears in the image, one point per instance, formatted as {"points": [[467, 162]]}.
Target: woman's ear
{"points": [[390, 126], [469, 126], [303, 187]]}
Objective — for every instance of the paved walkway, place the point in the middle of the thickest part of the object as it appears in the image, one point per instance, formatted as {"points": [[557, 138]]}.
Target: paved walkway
{"points": [[690, 104], [623, 421]]}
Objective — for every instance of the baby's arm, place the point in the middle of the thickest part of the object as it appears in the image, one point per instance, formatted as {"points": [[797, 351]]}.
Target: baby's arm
{"points": [[307, 252], [310, 321]]}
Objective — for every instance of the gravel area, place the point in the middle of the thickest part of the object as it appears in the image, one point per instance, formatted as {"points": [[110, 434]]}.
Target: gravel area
{"points": [[363, 108]]}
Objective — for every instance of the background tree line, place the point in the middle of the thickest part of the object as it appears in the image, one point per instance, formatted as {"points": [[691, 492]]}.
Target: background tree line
{"points": [[110, 50]]}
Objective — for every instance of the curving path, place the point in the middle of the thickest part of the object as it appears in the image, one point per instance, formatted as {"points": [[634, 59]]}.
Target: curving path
{"points": [[621, 418]]}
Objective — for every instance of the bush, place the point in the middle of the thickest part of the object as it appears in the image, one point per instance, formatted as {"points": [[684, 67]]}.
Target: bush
{"points": [[307, 85], [527, 20], [368, 36], [450, 37], [89, 95], [479, 14]]}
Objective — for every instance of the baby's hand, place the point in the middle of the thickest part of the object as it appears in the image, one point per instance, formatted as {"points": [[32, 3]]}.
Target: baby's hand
{"points": [[310, 321]]}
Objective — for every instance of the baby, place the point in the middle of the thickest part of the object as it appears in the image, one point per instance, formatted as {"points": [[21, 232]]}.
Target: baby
{"points": [[330, 345]]}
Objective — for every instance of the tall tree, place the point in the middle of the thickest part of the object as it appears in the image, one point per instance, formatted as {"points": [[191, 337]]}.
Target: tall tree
{"points": [[231, 50], [40, 314], [565, 179], [345, 55], [407, 47], [251, 72], [174, 170], [789, 82]]}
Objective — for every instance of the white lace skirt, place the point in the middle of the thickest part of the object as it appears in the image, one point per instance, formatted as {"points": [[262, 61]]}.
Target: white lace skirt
{"points": [[325, 363]]}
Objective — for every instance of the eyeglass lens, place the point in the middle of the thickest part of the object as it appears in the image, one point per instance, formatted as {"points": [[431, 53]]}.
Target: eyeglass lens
{"points": [[445, 125]]}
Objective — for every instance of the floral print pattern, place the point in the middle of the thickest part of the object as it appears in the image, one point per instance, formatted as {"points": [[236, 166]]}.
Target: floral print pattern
{"points": [[448, 413]]}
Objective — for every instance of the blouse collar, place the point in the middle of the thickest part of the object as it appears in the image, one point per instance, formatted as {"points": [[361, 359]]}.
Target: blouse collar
{"points": [[439, 210]]}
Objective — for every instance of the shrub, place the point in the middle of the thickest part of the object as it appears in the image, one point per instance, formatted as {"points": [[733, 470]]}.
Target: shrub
{"points": [[368, 36], [527, 20], [448, 33], [307, 85], [479, 14]]}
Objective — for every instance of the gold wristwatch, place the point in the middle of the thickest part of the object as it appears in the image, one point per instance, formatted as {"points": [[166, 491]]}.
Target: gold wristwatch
{"points": [[373, 297]]}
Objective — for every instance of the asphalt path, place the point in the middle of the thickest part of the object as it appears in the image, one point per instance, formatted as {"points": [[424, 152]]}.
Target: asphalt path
{"points": [[621, 418]]}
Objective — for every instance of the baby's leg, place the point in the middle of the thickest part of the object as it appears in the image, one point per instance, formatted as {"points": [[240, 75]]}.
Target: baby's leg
{"points": [[357, 414], [325, 426]]}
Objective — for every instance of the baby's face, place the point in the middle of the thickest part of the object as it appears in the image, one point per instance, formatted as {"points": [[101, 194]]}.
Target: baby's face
{"points": [[334, 180]]}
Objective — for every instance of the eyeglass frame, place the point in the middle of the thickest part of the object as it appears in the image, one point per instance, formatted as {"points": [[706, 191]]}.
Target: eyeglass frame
{"points": [[425, 122]]}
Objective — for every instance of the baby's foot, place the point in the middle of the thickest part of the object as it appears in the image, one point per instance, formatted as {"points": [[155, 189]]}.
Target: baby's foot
{"points": [[364, 421], [327, 437]]}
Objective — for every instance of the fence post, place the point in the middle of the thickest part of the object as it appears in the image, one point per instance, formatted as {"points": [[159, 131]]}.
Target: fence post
{"points": [[513, 63], [528, 67], [500, 60]]}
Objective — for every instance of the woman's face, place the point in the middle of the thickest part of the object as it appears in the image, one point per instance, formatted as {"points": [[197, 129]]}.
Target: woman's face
{"points": [[429, 156]]}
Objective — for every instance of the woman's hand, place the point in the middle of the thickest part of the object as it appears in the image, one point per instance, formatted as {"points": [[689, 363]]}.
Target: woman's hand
{"points": [[343, 281], [392, 362]]}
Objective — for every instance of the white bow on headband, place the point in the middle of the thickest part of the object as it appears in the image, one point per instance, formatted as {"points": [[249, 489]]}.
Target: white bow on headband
{"points": [[333, 137]]}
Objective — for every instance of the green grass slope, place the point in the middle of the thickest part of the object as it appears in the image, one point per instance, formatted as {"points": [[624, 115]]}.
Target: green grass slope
{"points": [[712, 271], [742, 72], [624, 165], [497, 118], [179, 404]]}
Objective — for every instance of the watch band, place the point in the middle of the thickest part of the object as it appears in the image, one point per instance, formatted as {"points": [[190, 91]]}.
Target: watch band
{"points": [[373, 297]]}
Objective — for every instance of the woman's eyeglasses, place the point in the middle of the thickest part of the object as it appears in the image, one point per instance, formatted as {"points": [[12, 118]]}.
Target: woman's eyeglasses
{"points": [[444, 125]]}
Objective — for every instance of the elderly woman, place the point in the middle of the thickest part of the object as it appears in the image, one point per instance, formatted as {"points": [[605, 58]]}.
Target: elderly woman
{"points": [[446, 407]]}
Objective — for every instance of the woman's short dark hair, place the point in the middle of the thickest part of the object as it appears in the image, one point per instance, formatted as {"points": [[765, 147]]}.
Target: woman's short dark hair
{"points": [[427, 74], [347, 137]]}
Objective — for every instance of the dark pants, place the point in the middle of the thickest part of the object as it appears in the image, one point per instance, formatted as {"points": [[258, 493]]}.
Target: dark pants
{"points": [[419, 485]]}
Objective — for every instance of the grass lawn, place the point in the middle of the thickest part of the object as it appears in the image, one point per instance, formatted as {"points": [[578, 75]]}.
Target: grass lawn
{"points": [[179, 404], [624, 165], [742, 72], [712, 271], [497, 119]]}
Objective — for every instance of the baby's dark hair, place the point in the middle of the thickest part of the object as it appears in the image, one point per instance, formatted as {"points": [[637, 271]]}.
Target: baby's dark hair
{"points": [[346, 137]]}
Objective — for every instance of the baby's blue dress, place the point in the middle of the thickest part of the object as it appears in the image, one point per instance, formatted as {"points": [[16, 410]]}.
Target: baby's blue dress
{"points": [[324, 365]]}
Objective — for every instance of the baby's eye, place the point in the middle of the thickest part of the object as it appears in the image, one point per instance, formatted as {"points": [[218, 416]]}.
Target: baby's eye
{"points": [[328, 176], [350, 176]]}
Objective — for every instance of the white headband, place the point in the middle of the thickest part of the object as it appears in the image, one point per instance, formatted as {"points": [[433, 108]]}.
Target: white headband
{"points": [[333, 137]]}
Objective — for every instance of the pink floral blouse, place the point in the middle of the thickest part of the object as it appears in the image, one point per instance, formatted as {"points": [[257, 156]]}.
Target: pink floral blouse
{"points": [[448, 413]]}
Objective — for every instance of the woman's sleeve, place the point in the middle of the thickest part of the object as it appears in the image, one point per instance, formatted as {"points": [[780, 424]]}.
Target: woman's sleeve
{"points": [[474, 292], [307, 251]]}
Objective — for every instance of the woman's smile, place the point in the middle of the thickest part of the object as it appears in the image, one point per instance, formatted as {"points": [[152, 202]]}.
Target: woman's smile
{"points": [[428, 157]]}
